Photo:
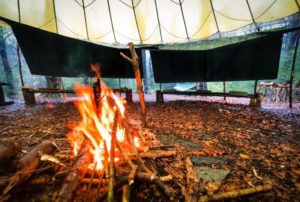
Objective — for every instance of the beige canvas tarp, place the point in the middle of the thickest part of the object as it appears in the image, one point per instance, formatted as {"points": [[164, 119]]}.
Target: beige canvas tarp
{"points": [[144, 21]]}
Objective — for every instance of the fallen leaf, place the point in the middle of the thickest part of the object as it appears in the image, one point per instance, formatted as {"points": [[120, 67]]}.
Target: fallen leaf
{"points": [[297, 185], [46, 157], [255, 174], [296, 171], [250, 184], [244, 156], [211, 187]]}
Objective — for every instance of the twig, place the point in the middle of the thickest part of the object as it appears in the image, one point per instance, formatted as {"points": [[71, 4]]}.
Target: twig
{"points": [[134, 150], [236, 193], [120, 183], [112, 158], [157, 154], [193, 184], [78, 171], [162, 147], [126, 193], [166, 191], [131, 164], [90, 183]]}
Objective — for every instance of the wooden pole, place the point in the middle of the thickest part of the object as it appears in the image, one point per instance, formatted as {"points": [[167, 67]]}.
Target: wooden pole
{"points": [[224, 89], [18, 48], [134, 60], [292, 72], [255, 87]]}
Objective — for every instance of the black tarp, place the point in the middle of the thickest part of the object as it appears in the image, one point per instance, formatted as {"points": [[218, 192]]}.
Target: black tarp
{"points": [[55, 55], [256, 59]]}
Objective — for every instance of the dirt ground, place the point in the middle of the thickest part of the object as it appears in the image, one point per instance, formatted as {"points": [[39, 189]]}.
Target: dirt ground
{"points": [[256, 145]]}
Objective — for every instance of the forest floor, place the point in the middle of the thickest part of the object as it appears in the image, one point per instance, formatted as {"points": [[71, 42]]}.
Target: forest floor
{"points": [[254, 146]]}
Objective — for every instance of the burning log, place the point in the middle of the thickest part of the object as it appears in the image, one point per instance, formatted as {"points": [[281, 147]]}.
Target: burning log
{"points": [[236, 193], [77, 173], [28, 164], [8, 150]]}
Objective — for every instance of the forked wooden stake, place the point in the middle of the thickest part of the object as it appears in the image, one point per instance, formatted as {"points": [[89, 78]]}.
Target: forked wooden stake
{"points": [[134, 60]]}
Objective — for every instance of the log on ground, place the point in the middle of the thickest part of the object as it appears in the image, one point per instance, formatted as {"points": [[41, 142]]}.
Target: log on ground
{"points": [[28, 164], [8, 150]]}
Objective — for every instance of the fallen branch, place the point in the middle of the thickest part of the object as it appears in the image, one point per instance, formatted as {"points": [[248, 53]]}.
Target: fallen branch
{"points": [[152, 177], [162, 147], [73, 180], [140, 175], [28, 164], [237, 193], [157, 154], [166, 191], [193, 185]]}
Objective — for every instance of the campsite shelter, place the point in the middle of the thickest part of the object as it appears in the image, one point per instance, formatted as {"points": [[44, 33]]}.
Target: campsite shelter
{"points": [[177, 151]]}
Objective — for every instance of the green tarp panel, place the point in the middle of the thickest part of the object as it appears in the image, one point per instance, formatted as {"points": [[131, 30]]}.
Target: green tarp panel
{"points": [[256, 59], [55, 55]]}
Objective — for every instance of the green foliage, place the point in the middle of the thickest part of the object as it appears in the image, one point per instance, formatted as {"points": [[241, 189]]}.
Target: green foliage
{"points": [[69, 83]]}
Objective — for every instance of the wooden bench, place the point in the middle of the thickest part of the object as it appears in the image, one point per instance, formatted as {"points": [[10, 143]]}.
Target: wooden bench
{"points": [[29, 97], [2, 97], [254, 98]]}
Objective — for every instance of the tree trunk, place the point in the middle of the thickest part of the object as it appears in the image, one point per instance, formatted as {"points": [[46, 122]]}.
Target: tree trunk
{"points": [[201, 86], [293, 21], [6, 66], [53, 82]]}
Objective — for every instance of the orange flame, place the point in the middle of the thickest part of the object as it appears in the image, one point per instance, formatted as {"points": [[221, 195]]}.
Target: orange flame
{"points": [[95, 128]]}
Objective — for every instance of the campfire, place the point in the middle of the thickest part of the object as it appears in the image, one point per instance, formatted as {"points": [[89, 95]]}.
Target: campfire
{"points": [[105, 147]]}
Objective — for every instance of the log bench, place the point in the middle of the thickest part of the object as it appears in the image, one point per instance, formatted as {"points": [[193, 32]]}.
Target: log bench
{"points": [[29, 93], [254, 98]]}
